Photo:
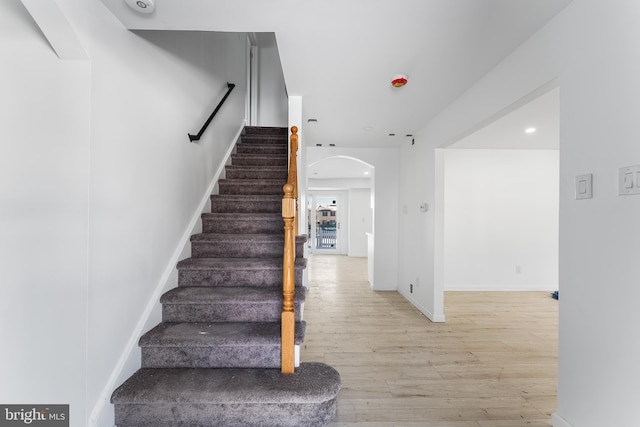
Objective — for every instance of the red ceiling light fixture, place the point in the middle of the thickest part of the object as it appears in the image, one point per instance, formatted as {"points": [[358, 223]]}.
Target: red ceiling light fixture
{"points": [[399, 80]]}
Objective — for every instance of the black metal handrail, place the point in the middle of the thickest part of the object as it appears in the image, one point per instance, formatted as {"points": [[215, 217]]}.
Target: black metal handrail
{"points": [[204, 126]]}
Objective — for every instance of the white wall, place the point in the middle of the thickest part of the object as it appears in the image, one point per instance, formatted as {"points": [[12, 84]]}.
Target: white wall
{"points": [[102, 185], [360, 221], [600, 103], [501, 219], [44, 216], [386, 162], [272, 92], [599, 342]]}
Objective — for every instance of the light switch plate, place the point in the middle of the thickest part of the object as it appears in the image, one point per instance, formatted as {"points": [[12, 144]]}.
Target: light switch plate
{"points": [[629, 180], [584, 186]]}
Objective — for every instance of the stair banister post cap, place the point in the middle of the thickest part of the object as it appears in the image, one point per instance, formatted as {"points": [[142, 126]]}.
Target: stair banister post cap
{"points": [[288, 188]]}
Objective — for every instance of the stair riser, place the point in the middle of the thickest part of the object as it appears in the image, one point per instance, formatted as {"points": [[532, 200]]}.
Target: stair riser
{"points": [[263, 356], [249, 148], [236, 277], [265, 140], [214, 313], [256, 173], [265, 131], [241, 249], [245, 206], [226, 415], [232, 187], [249, 160], [225, 225]]}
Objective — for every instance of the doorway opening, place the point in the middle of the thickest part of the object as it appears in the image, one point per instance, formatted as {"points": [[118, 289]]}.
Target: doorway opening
{"points": [[324, 215], [501, 202]]}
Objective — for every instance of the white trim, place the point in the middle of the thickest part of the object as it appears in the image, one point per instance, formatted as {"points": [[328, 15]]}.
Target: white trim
{"points": [[254, 86], [434, 318], [132, 343], [558, 421], [472, 288]]}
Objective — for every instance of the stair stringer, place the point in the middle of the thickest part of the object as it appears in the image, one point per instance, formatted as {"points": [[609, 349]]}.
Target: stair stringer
{"points": [[129, 360]]}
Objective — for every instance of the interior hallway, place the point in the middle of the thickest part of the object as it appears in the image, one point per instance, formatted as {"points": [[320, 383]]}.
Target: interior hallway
{"points": [[493, 364]]}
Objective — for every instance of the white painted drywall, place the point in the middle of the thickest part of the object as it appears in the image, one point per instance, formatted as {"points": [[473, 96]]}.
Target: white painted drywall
{"points": [[386, 162], [272, 93], [599, 252], [360, 221], [599, 342], [44, 216], [501, 219], [100, 185]]}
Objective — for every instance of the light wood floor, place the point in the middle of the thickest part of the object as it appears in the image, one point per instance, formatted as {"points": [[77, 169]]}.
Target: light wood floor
{"points": [[492, 364]]}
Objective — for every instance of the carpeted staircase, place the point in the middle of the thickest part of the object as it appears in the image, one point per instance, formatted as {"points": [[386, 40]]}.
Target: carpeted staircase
{"points": [[215, 358]]}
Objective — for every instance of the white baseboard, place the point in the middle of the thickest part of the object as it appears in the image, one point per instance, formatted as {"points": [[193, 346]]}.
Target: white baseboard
{"points": [[472, 288], [558, 421], [440, 318], [96, 418]]}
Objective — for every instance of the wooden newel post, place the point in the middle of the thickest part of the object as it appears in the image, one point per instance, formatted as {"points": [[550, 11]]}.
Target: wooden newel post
{"points": [[293, 173], [288, 282]]}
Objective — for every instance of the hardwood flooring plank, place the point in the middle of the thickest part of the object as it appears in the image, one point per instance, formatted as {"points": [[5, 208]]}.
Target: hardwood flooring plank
{"points": [[492, 364]]}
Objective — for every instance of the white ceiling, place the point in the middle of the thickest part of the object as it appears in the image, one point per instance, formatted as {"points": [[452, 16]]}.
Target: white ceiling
{"points": [[340, 167], [508, 132], [340, 55]]}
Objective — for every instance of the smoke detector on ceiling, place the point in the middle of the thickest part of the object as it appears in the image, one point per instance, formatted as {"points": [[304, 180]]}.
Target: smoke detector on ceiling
{"points": [[141, 6], [399, 80]]}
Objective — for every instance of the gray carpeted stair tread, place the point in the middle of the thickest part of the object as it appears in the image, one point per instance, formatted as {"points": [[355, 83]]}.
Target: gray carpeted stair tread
{"points": [[242, 203], [259, 160], [186, 334], [248, 216], [241, 295], [262, 272], [242, 238], [247, 197], [274, 181], [227, 304], [276, 157], [251, 186], [253, 148], [211, 245], [311, 383], [236, 263], [265, 140], [266, 130], [256, 172], [243, 223]]}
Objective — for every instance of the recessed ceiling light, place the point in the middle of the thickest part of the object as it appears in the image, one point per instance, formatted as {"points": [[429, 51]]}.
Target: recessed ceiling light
{"points": [[530, 130], [332, 145], [142, 6], [366, 173], [318, 145], [312, 121], [392, 134]]}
